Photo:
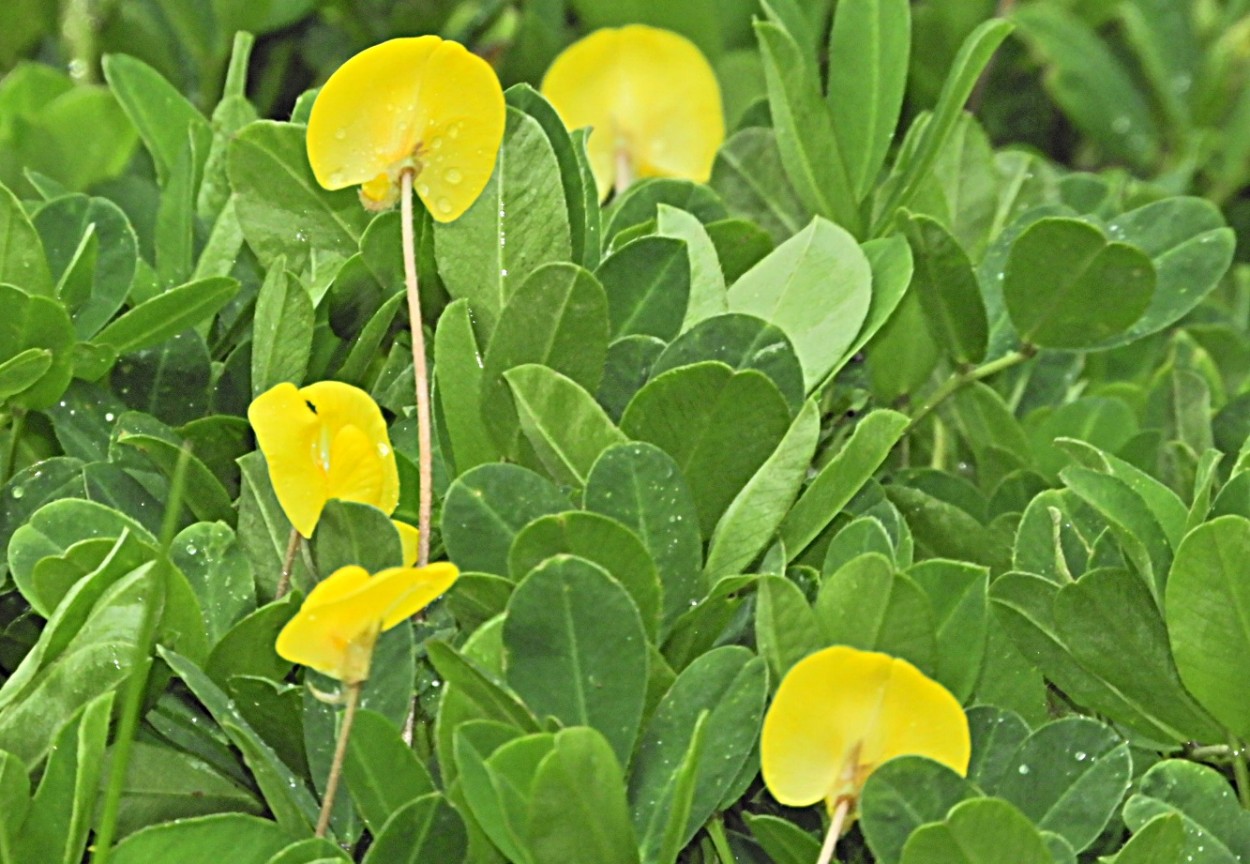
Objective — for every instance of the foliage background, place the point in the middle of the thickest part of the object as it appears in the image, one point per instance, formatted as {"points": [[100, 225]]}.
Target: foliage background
{"points": [[1014, 454]]}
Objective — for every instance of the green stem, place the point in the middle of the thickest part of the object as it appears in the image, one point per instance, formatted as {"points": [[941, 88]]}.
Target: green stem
{"points": [[340, 753], [288, 565], [16, 427], [960, 380], [141, 664], [1241, 772], [716, 831]]}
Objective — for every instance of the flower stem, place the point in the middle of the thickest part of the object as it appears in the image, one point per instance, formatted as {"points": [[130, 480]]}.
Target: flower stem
{"points": [[420, 374], [288, 564], [835, 830], [1240, 772], [340, 751], [962, 379]]}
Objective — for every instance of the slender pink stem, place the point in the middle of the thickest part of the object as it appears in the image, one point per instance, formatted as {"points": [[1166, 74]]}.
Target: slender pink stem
{"points": [[420, 373], [340, 753], [835, 830]]}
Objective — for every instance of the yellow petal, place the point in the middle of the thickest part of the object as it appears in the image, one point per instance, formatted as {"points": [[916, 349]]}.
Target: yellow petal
{"points": [[422, 102], [336, 627], [647, 92], [366, 116], [409, 541], [839, 713], [343, 582], [287, 431], [361, 463], [462, 116]]}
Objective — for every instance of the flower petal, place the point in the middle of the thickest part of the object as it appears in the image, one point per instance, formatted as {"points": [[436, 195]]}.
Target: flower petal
{"points": [[343, 582], [409, 541], [361, 462], [841, 712], [461, 118], [366, 116], [647, 90], [404, 591], [287, 431]]}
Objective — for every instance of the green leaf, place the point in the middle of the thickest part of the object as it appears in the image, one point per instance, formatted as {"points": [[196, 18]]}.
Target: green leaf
{"points": [[707, 281], [977, 832], [39, 323], [210, 557], [1208, 610], [282, 330], [966, 69], [1070, 777], [626, 368], [1191, 249], [1114, 630], [558, 318], [948, 290], [164, 784], [351, 533], [22, 260], [817, 287], [1159, 841], [749, 174], [458, 377], [94, 293], [641, 202], [235, 837], [640, 486], [60, 815], [287, 796], [600, 540], [426, 829], [312, 850], [564, 424], [281, 209], [868, 50], [163, 117], [647, 282], [486, 508], [1092, 85], [741, 342], [841, 478], [809, 146], [166, 315], [206, 498], [1066, 286], [782, 840], [718, 425], [576, 649], [904, 794], [892, 270], [577, 807], [752, 518], [866, 605], [22, 370], [382, 772], [1217, 829], [522, 204], [264, 531], [958, 596], [14, 801], [497, 809], [479, 685], [728, 685], [786, 628]]}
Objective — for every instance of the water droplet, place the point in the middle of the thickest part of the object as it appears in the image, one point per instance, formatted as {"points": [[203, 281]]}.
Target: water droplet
{"points": [[18, 491], [383, 450], [435, 143], [109, 417], [423, 189], [340, 134], [444, 206], [336, 179], [1023, 769], [1121, 124], [1080, 757], [454, 130], [452, 176], [503, 272]]}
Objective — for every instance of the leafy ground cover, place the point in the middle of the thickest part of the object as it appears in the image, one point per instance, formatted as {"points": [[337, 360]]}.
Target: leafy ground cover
{"points": [[933, 380]]}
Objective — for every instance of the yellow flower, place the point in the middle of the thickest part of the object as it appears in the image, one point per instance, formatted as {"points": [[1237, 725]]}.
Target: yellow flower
{"points": [[651, 97], [326, 440], [409, 541], [841, 712], [336, 628], [420, 104]]}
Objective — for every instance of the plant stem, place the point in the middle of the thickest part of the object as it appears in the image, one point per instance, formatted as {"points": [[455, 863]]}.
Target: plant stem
{"points": [[1240, 772], [340, 751], [716, 831], [835, 830], [420, 374], [16, 426], [288, 564], [962, 379]]}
